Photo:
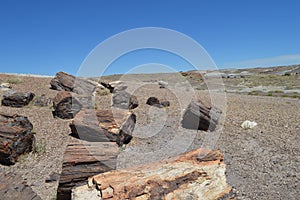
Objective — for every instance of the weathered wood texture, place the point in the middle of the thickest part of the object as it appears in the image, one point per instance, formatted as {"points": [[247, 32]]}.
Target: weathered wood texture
{"points": [[83, 160], [103, 125], [199, 174], [66, 82], [199, 116], [124, 100], [17, 99], [13, 187], [16, 137], [65, 106]]}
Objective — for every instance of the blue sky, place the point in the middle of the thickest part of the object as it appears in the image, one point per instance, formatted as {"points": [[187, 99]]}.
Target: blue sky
{"points": [[43, 37]]}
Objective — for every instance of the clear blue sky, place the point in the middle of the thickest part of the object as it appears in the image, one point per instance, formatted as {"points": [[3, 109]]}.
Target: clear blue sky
{"points": [[43, 37]]}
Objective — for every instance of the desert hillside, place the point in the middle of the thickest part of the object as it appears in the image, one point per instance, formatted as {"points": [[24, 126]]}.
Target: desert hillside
{"points": [[261, 162]]}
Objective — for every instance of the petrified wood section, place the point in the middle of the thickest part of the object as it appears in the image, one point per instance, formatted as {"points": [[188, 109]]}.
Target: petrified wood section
{"points": [[42, 101], [200, 117], [66, 82], [108, 86], [124, 100], [16, 137], [115, 86], [65, 106], [13, 186], [103, 125], [199, 174], [17, 99], [83, 160]]}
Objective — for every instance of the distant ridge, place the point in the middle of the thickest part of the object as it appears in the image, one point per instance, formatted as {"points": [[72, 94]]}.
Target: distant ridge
{"points": [[28, 75]]}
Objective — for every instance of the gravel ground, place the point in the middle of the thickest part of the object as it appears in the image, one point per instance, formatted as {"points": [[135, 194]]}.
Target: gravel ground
{"points": [[262, 163]]}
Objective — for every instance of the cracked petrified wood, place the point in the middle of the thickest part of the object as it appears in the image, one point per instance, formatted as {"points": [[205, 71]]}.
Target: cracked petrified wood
{"points": [[17, 99], [83, 160], [103, 125], [66, 82], [199, 116], [199, 174], [16, 137], [12, 186], [65, 105]]}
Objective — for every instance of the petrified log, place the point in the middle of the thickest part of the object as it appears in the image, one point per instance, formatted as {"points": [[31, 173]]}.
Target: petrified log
{"points": [[199, 174], [83, 160], [13, 186], [17, 99], [124, 100], [165, 103], [16, 137], [153, 101], [103, 125], [65, 106], [66, 82], [115, 86], [42, 101], [200, 117], [5, 87]]}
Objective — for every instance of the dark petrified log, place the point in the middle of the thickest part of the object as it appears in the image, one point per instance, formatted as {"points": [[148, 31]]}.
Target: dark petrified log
{"points": [[200, 117], [65, 106], [16, 137], [124, 100], [17, 99], [103, 125], [83, 160], [66, 82]]}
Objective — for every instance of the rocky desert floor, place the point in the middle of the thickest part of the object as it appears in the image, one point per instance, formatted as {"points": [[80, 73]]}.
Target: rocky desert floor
{"points": [[262, 162]]}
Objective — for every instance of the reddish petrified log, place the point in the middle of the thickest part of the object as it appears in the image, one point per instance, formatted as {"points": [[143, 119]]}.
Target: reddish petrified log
{"points": [[65, 105], [16, 137], [199, 174]]}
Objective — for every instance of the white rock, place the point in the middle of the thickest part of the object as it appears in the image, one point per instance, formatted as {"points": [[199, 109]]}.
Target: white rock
{"points": [[85, 193], [162, 84], [248, 124]]}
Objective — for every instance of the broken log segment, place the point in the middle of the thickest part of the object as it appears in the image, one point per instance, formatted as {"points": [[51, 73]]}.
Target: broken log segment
{"points": [[17, 99], [65, 106], [66, 82], [16, 137], [199, 116], [124, 100], [103, 125], [83, 160], [199, 174]]}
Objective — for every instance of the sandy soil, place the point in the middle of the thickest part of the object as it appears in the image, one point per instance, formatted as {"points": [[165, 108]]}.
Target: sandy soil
{"points": [[262, 163]]}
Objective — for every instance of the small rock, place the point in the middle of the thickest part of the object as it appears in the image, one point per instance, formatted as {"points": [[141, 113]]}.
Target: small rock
{"points": [[42, 101], [248, 124], [162, 84], [165, 103], [152, 101]]}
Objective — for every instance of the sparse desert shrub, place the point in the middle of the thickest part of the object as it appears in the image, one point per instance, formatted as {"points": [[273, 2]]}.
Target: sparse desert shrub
{"points": [[15, 80], [39, 147]]}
